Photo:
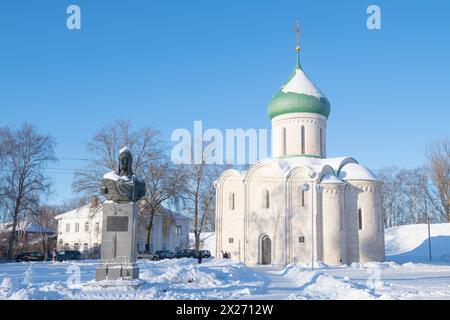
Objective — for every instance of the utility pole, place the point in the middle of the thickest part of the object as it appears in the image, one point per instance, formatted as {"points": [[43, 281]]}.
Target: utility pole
{"points": [[429, 238]]}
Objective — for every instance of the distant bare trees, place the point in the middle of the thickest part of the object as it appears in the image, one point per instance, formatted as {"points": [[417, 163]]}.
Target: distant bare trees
{"points": [[145, 145], [413, 195], [24, 154], [438, 158], [165, 181]]}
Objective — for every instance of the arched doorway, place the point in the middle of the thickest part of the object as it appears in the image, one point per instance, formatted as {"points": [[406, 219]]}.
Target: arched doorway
{"points": [[266, 250]]}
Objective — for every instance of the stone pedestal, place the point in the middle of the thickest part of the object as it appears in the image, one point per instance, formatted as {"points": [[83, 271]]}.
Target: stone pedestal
{"points": [[118, 250]]}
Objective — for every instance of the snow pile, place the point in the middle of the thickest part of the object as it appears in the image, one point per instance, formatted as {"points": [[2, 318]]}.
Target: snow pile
{"points": [[409, 243], [169, 279], [184, 273], [319, 285]]}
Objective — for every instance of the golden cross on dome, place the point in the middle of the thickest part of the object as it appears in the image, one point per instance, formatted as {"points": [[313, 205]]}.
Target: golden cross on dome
{"points": [[297, 31]]}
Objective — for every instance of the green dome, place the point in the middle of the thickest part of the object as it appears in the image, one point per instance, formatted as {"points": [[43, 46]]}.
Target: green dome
{"points": [[299, 94]]}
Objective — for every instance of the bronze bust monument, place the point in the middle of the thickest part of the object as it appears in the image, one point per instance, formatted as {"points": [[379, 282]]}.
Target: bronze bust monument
{"points": [[123, 185]]}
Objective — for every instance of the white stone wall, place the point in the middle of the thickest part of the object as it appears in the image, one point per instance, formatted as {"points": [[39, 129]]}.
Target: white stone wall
{"points": [[292, 123], [262, 221], [351, 223], [232, 235], [333, 224], [300, 218], [371, 236]]}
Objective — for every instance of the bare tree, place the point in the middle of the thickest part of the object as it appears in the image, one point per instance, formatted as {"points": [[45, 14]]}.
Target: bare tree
{"points": [[201, 195], [23, 181], [438, 156], [45, 220], [165, 185], [165, 182], [104, 147]]}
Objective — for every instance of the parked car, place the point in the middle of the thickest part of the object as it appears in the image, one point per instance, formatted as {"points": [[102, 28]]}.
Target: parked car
{"points": [[146, 255], [205, 254], [164, 254], [186, 253], [68, 255], [30, 256]]}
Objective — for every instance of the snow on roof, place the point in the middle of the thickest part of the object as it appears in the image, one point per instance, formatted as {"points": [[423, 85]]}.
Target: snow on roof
{"points": [[345, 168], [300, 83], [173, 213], [355, 171], [87, 212], [26, 226], [82, 212], [330, 178], [315, 164], [329, 170]]}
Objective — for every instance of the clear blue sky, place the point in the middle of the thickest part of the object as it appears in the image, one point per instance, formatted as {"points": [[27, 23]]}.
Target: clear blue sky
{"points": [[168, 63]]}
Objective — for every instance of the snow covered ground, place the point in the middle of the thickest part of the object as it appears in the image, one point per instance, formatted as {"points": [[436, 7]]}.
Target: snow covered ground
{"points": [[407, 274]]}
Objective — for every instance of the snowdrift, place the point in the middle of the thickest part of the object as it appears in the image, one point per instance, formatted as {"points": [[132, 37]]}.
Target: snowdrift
{"points": [[409, 243]]}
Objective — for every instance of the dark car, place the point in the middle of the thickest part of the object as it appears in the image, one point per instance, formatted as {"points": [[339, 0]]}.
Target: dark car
{"points": [[187, 253], [205, 253], [68, 255], [163, 254], [30, 256]]}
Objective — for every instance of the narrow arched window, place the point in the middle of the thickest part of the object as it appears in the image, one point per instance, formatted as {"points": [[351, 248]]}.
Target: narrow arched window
{"points": [[321, 143], [232, 203], [303, 198], [360, 221], [266, 199], [283, 141], [303, 139]]}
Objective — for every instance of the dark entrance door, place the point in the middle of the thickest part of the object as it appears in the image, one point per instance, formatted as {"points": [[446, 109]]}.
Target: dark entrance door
{"points": [[266, 247]]}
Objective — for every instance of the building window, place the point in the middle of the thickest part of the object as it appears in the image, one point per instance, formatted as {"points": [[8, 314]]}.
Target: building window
{"points": [[321, 143], [66, 246], [86, 227], [97, 226], [266, 199], [283, 141], [178, 230], [77, 227], [231, 201], [67, 227], [230, 240], [303, 139], [76, 246], [85, 247], [303, 198], [360, 222]]}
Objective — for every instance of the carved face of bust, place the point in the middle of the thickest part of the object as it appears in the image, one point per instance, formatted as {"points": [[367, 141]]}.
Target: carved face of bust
{"points": [[125, 164]]}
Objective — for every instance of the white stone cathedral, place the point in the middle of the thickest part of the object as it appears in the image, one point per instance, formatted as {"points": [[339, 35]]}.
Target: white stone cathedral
{"points": [[300, 206]]}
